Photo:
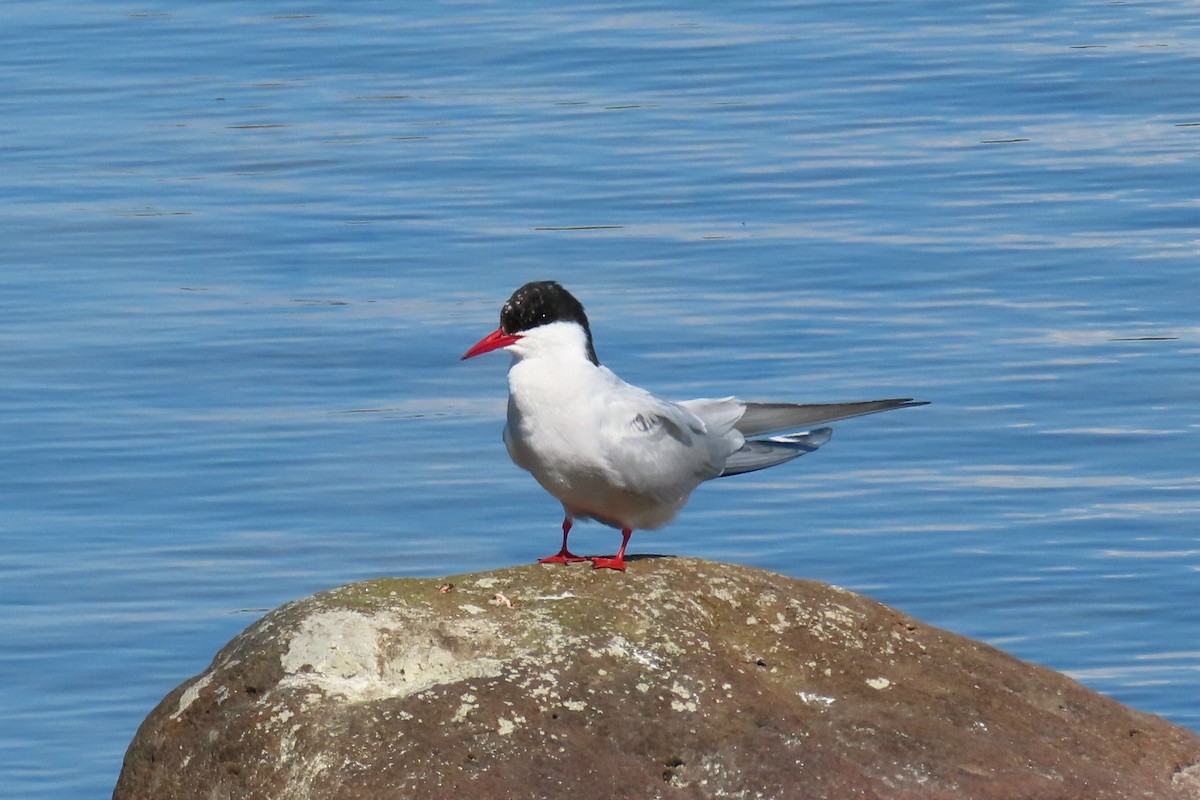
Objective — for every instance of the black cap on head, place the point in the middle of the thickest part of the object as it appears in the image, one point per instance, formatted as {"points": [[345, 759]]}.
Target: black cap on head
{"points": [[541, 302]]}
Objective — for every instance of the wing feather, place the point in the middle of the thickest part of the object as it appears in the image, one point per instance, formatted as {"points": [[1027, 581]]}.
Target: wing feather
{"points": [[761, 418], [662, 448], [758, 454]]}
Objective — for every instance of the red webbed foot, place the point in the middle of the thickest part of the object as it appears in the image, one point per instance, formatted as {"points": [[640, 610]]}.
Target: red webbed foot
{"points": [[562, 557], [617, 562], [601, 562]]}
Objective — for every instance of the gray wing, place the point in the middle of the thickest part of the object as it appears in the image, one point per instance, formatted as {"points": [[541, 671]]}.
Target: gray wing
{"points": [[758, 454], [761, 418], [655, 447]]}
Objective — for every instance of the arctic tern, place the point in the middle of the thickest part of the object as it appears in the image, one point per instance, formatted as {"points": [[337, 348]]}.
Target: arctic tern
{"points": [[614, 452]]}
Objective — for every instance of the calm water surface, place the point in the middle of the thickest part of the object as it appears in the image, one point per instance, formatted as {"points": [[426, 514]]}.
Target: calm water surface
{"points": [[245, 244]]}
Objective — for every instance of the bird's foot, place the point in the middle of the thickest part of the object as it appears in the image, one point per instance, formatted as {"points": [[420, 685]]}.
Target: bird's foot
{"points": [[601, 562], [563, 556]]}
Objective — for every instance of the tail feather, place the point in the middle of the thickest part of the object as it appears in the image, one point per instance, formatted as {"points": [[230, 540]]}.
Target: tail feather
{"points": [[758, 454], [760, 418]]}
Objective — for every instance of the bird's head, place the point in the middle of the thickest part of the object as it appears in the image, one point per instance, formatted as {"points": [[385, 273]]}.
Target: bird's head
{"points": [[540, 317]]}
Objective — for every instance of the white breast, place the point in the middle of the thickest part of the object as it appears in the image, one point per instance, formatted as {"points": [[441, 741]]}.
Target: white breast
{"points": [[606, 449]]}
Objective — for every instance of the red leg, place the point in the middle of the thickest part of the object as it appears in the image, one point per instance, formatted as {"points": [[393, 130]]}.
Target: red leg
{"points": [[618, 561], [563, 556]]}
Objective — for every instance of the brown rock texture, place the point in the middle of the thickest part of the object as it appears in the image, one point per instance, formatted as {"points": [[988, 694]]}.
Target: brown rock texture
{"points": [[677, 679]]}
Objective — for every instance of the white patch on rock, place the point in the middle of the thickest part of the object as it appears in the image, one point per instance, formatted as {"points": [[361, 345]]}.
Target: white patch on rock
{"points": [[469, 704], [723, 594], [878, 683], [620, 647], [505, 726], [191, 694], [370, 657], [686, 701], [564, 596], [838, 623], [815, 699], [1187, 779], [767, 599]]}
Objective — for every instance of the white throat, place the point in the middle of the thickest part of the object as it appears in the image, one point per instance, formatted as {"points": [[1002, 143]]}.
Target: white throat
{"points": [[561, 342]]}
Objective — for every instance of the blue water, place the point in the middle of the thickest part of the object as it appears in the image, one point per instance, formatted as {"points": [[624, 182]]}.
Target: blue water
{"points": [[244, 246]]}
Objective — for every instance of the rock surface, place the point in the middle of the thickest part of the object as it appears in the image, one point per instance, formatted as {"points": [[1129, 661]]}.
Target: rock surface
{"points": [[678, 679]]}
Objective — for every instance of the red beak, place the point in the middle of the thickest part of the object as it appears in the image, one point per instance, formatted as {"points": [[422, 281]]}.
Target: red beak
{"points": [[493, 341]]}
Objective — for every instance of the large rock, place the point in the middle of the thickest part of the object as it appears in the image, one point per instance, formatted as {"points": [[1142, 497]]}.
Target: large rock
{"points": [[678, 679]]}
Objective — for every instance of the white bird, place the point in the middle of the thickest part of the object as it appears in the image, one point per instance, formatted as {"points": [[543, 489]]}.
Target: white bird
{"points": [[614, 452]]}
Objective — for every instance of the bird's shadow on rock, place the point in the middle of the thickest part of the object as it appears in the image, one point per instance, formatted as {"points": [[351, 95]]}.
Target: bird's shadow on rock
{"points": [[631, 557]]}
